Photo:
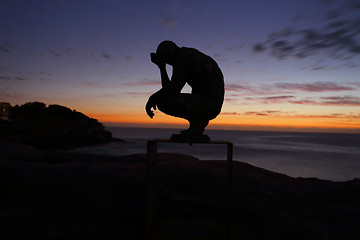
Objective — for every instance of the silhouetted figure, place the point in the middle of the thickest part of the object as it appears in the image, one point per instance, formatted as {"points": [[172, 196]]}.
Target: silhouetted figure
{"points": [[205, 78]]}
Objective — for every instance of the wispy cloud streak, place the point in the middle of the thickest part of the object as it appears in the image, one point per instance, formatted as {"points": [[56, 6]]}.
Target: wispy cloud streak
{"points": [[273, 99], [144, 82], [5, 47], [285, 114], [337, 37], [314, 87], [135, 94], [331, 101], [167, 21], [237, 90]]}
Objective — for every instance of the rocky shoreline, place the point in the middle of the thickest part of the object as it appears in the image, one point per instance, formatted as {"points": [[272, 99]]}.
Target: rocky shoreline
{"points": [[56, 194]]}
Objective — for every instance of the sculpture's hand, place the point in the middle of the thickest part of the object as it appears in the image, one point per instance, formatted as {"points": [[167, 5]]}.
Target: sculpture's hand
{"points": [[150, 104], [156, 60]]}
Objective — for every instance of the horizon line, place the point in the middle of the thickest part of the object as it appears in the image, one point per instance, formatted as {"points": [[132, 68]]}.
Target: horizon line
{"points": [[235, 127]]}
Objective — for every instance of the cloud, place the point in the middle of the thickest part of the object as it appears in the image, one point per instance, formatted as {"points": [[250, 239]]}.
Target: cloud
{"points": [[106, 55], [101, 85], [347, 100], [315, 68], [230, 113], [7, 78], [219, 57], [273, 99], [284, 92], [231, 100], [168, 22], [247, 90], [145, 82], [331, 101], [263, 113], [135, 94], [231, 48], [66, 51], [259, 47], [69, 52], [356, 84], [16, 76], [283, 114], [56, 54], [258, 113], [255, 113], [237, 87], [109, 95], [20, 78], [93, 84], [314, 87], [341, 101], [304, 102], [238, 90], [338, 36], [333, 115], [5, 47]]}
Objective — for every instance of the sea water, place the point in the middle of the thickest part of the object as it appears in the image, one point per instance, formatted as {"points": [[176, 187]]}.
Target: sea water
{"points": [[330, 156]]}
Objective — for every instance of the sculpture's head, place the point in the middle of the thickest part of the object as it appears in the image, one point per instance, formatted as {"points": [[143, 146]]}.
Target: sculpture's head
{"points": [[166, 51]]}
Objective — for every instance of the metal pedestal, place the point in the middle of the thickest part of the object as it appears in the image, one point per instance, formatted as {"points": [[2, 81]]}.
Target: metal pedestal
{"points": [[150, 216]]}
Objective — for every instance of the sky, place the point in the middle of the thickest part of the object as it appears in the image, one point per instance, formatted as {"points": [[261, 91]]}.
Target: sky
{"points": [[288, 64]]}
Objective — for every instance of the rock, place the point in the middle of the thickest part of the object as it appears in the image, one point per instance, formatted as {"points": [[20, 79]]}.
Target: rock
{"points": [[18, 151], [85, 196], [55, 127]]}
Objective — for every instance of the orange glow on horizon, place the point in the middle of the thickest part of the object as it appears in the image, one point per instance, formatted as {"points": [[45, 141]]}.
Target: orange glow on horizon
{"points": [[137, 118], [289, 123]]}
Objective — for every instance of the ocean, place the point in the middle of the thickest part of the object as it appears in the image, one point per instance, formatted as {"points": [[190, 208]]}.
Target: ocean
{"points": [[328, 156]]}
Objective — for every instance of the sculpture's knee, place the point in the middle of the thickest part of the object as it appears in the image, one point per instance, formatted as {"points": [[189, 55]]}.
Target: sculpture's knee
{"points": [[166, 105]]}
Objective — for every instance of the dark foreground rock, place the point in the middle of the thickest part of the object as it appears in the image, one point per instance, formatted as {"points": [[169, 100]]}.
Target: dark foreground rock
{"points": [[63, 195]]}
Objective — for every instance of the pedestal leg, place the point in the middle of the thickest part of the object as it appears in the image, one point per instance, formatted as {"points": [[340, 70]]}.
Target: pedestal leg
{"points": [[229, 197], [150, 184]]}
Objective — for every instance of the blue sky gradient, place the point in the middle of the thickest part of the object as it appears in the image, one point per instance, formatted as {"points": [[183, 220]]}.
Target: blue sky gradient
{"points": [[287, 63]]}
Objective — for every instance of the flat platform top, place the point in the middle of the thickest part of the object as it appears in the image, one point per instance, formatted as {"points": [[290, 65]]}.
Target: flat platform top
{"points": [[172, 141]]}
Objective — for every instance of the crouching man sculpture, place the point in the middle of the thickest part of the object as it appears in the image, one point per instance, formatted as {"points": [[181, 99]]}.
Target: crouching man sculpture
{"points": [[205, 78]]}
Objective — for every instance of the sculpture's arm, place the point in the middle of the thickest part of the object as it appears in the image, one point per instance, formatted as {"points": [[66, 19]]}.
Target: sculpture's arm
{"points": [[174, 86], [168, 87], [178, 80], [165, 81], [151, 103], [162, 66]]}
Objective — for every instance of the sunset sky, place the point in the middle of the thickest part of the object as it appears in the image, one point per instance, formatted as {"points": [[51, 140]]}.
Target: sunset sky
{"points": [[287, 64]]}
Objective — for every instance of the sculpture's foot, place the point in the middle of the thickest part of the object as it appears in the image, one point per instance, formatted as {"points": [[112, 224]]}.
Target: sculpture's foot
{"points": [[189, 138], [194, 134]]}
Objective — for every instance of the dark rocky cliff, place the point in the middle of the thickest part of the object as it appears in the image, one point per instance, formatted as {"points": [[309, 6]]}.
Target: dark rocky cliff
{"points": [[52, 126]]}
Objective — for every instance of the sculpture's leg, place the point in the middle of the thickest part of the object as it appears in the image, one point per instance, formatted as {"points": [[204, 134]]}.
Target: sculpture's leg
{"points": [[193, 134], [197, 109], [197, 127]]}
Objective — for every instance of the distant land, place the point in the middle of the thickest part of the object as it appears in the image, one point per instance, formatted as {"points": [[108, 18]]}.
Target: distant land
{"points": [[53, 126]]}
